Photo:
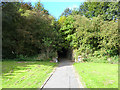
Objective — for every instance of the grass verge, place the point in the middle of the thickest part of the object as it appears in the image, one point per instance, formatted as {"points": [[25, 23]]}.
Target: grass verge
{"points": [[98, 75], [25, 74]]}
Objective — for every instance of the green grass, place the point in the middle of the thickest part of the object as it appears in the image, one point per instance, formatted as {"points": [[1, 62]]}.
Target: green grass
{"points": [[98, 75], [25, 74], [0, 75]]}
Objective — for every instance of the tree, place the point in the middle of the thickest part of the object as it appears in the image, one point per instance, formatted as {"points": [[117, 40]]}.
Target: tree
{"points": [[109, 10], [10, 21], [27, 31], [40, 8], [96, 35], [66, 12]]}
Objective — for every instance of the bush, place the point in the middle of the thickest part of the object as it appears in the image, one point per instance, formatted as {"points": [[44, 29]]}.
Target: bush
{"points": [[95, 59], [99, 59], [21, 57], [96, 36], [113, 60], [102, 59]]}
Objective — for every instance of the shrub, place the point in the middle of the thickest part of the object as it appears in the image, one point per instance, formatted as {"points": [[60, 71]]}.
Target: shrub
{"points": [[113, 59]]}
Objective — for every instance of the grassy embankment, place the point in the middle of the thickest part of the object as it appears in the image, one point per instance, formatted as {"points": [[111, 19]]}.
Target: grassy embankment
{"points": [[25, 74]]}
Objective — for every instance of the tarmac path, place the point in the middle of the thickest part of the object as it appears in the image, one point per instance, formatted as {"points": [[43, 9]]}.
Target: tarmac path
{"points": [[64, 77]]}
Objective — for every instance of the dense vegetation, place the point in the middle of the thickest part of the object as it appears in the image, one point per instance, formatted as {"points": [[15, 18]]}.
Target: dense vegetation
{"points": [[30, 33], [27, 30], [90, 31], [94, 37], [109, 10]]}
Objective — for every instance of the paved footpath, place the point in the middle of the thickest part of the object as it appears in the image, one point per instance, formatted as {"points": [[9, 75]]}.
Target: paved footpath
{"points": [[64, 77]]}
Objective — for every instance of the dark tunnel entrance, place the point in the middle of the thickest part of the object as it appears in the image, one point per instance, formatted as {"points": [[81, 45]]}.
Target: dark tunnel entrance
{"points": [[62, 53], [65, 54]]}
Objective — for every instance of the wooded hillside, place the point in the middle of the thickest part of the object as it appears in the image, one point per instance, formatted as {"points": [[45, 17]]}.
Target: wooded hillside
{"points": [[91, 31]]}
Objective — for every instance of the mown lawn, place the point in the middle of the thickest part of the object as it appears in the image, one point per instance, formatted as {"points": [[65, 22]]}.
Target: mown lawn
{"points": [[25, 74], [0, 75], [98, 75]]}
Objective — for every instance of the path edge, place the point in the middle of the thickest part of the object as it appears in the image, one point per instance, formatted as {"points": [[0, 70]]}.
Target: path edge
{"points": [[79, 78], [48, 78]]}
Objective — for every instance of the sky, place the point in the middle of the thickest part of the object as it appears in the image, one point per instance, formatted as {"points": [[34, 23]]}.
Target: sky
{"points": [[57, 7]]}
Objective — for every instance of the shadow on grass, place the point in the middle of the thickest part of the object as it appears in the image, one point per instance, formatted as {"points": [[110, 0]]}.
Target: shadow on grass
{"points": [[10, 68]]}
